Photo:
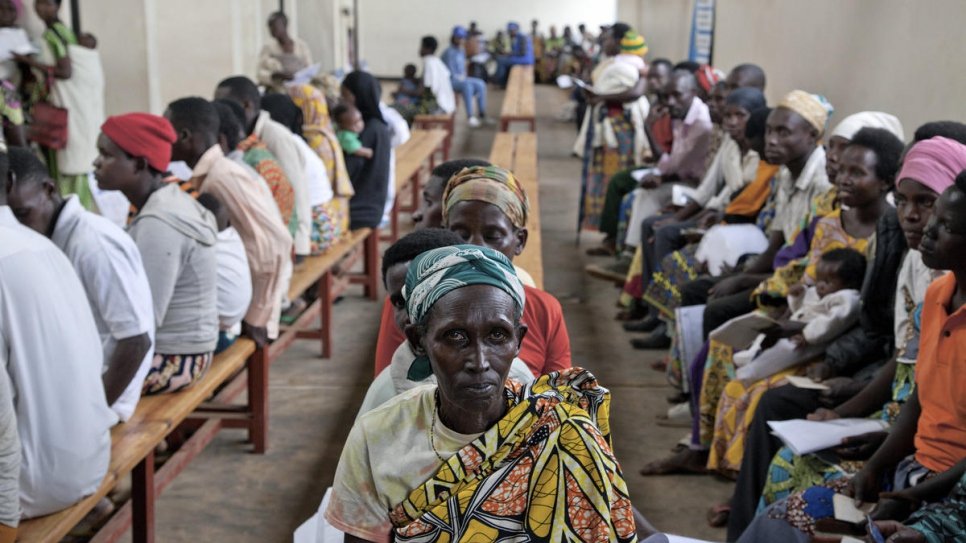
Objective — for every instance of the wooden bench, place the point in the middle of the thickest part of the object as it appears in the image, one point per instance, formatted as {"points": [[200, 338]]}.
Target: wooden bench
{"points": [[442, 121], [412, 158], [517, 152], [133, 443], [519, 102], [331, 271]]}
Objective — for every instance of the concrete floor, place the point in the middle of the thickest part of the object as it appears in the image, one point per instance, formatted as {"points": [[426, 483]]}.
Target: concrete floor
{"points": [[228, 494]]}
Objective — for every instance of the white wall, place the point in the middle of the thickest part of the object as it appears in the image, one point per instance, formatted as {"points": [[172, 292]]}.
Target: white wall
{"points": [[890, 55], [391, 29]]}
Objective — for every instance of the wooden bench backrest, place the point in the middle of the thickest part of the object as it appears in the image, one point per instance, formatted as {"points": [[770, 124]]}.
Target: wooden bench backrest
{"points": [[517, 151]]}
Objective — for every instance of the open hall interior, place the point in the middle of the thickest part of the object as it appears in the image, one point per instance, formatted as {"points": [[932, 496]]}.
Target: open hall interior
{"points": [[316, 271]]}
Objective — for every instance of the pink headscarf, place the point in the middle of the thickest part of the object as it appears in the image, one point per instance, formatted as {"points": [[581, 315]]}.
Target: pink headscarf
{"points": [[934, 162]]}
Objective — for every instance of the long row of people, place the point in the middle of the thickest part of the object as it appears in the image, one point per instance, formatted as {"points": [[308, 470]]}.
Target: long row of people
{"points": [[793, 271]]}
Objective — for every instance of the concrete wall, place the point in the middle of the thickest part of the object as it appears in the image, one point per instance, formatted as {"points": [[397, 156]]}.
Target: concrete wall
{"points": [[665, 24], [155, 51], [889, 55], [391, 29]]}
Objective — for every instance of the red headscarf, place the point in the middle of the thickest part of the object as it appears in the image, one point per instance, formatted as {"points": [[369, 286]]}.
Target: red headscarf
{"points": [[142, 135], [707, 77]]}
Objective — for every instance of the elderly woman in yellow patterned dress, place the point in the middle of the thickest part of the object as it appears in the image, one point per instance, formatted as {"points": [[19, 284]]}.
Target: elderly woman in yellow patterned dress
{"points": [[477, 456]]}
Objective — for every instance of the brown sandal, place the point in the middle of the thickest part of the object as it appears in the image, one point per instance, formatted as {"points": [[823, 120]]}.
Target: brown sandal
{"points": [[718, 515]]}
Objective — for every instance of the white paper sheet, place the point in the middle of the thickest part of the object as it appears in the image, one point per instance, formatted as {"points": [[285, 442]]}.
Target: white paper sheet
{"points": [[305, 75], [688, 329], [807, 436], [642, 173], [805, 382]]}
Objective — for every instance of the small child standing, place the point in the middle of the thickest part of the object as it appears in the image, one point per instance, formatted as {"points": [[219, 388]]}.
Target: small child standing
{"points": [[350, 124], [819, 314]]}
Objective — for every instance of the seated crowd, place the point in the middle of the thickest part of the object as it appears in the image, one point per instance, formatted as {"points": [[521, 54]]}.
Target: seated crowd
{"points": [[795, 255], [793, 267]]}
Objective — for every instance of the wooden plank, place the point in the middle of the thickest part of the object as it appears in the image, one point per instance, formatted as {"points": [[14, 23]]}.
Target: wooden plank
{"points": [[311, 269], [519, 102], [525, 169], [411, 156], [517, 152], [129, 444]]}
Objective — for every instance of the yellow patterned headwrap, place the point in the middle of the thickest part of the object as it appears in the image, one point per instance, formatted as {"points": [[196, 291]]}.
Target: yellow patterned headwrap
{"points": [[811, 107], [633, 44], [490, 184]]}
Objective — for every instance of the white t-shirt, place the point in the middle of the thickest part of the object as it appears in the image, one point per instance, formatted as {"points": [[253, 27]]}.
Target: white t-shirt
{"points": [[109, 266], [51, 351], [386, 456], [436, 77], [234, 279], [319, 186]]}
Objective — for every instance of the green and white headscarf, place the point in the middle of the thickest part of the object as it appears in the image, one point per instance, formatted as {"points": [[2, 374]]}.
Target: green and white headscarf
{"points": [[436, 273]]}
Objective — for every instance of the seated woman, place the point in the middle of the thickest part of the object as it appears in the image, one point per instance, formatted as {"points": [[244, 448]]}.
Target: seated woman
{"points": [[770, 473], [868, 168], [943, 519], [460, 459], [487, 206], [406, 371], [929, 437], [490, 209], [176, 237]]}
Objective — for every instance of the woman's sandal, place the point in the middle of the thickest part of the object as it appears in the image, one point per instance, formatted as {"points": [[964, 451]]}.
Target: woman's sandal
{"points": [[718, 515]]}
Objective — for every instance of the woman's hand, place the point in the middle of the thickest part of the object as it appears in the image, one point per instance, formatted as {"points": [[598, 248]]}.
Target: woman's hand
{"points": [[895, 532], [822, 414], [651, 181], [728, 286], [892, 506], [710, 219], [797, 290], [819, 371], [865, 485], [861, 447]]}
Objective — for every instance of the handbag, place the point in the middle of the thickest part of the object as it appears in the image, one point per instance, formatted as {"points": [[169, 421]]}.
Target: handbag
{"points": [[48, 125]]}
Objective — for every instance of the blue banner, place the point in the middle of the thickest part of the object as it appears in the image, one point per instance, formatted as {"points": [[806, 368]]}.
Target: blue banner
{"points": [[702, 32]]}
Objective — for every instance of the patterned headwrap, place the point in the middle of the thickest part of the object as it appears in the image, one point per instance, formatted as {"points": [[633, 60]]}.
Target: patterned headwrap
{"points": [[868, 119], [814, 108], [490, 184], [633, 44], [438, 272], [708, 76], [513, 27], [934, 162]]}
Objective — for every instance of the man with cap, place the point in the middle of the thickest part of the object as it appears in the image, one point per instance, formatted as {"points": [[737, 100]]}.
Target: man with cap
{"points": [[176, 237], [455, 59], [521, 52], [109, 266], [250, 207]]}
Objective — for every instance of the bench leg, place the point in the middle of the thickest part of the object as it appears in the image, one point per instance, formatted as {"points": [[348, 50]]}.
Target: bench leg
{"points": [[394, 221], [258, 400], [325, 314], [371, 265], [417, 194], [142, 498], [504, 125]]}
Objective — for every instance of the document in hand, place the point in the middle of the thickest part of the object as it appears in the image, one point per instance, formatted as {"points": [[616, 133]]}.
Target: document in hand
{"points": [[807, 436]]}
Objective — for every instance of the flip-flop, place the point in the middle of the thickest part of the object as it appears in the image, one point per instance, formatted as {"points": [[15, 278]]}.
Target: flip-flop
{"points": [[718, 515]]}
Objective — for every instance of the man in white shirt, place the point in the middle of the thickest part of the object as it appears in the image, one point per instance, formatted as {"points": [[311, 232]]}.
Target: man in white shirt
{"points": [[51, 351], [436, 76], [234, 275], [279, 141], [109, 266]]}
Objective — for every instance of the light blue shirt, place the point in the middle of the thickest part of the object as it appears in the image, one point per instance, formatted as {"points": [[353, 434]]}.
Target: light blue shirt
{"points": [[455, 59]]}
